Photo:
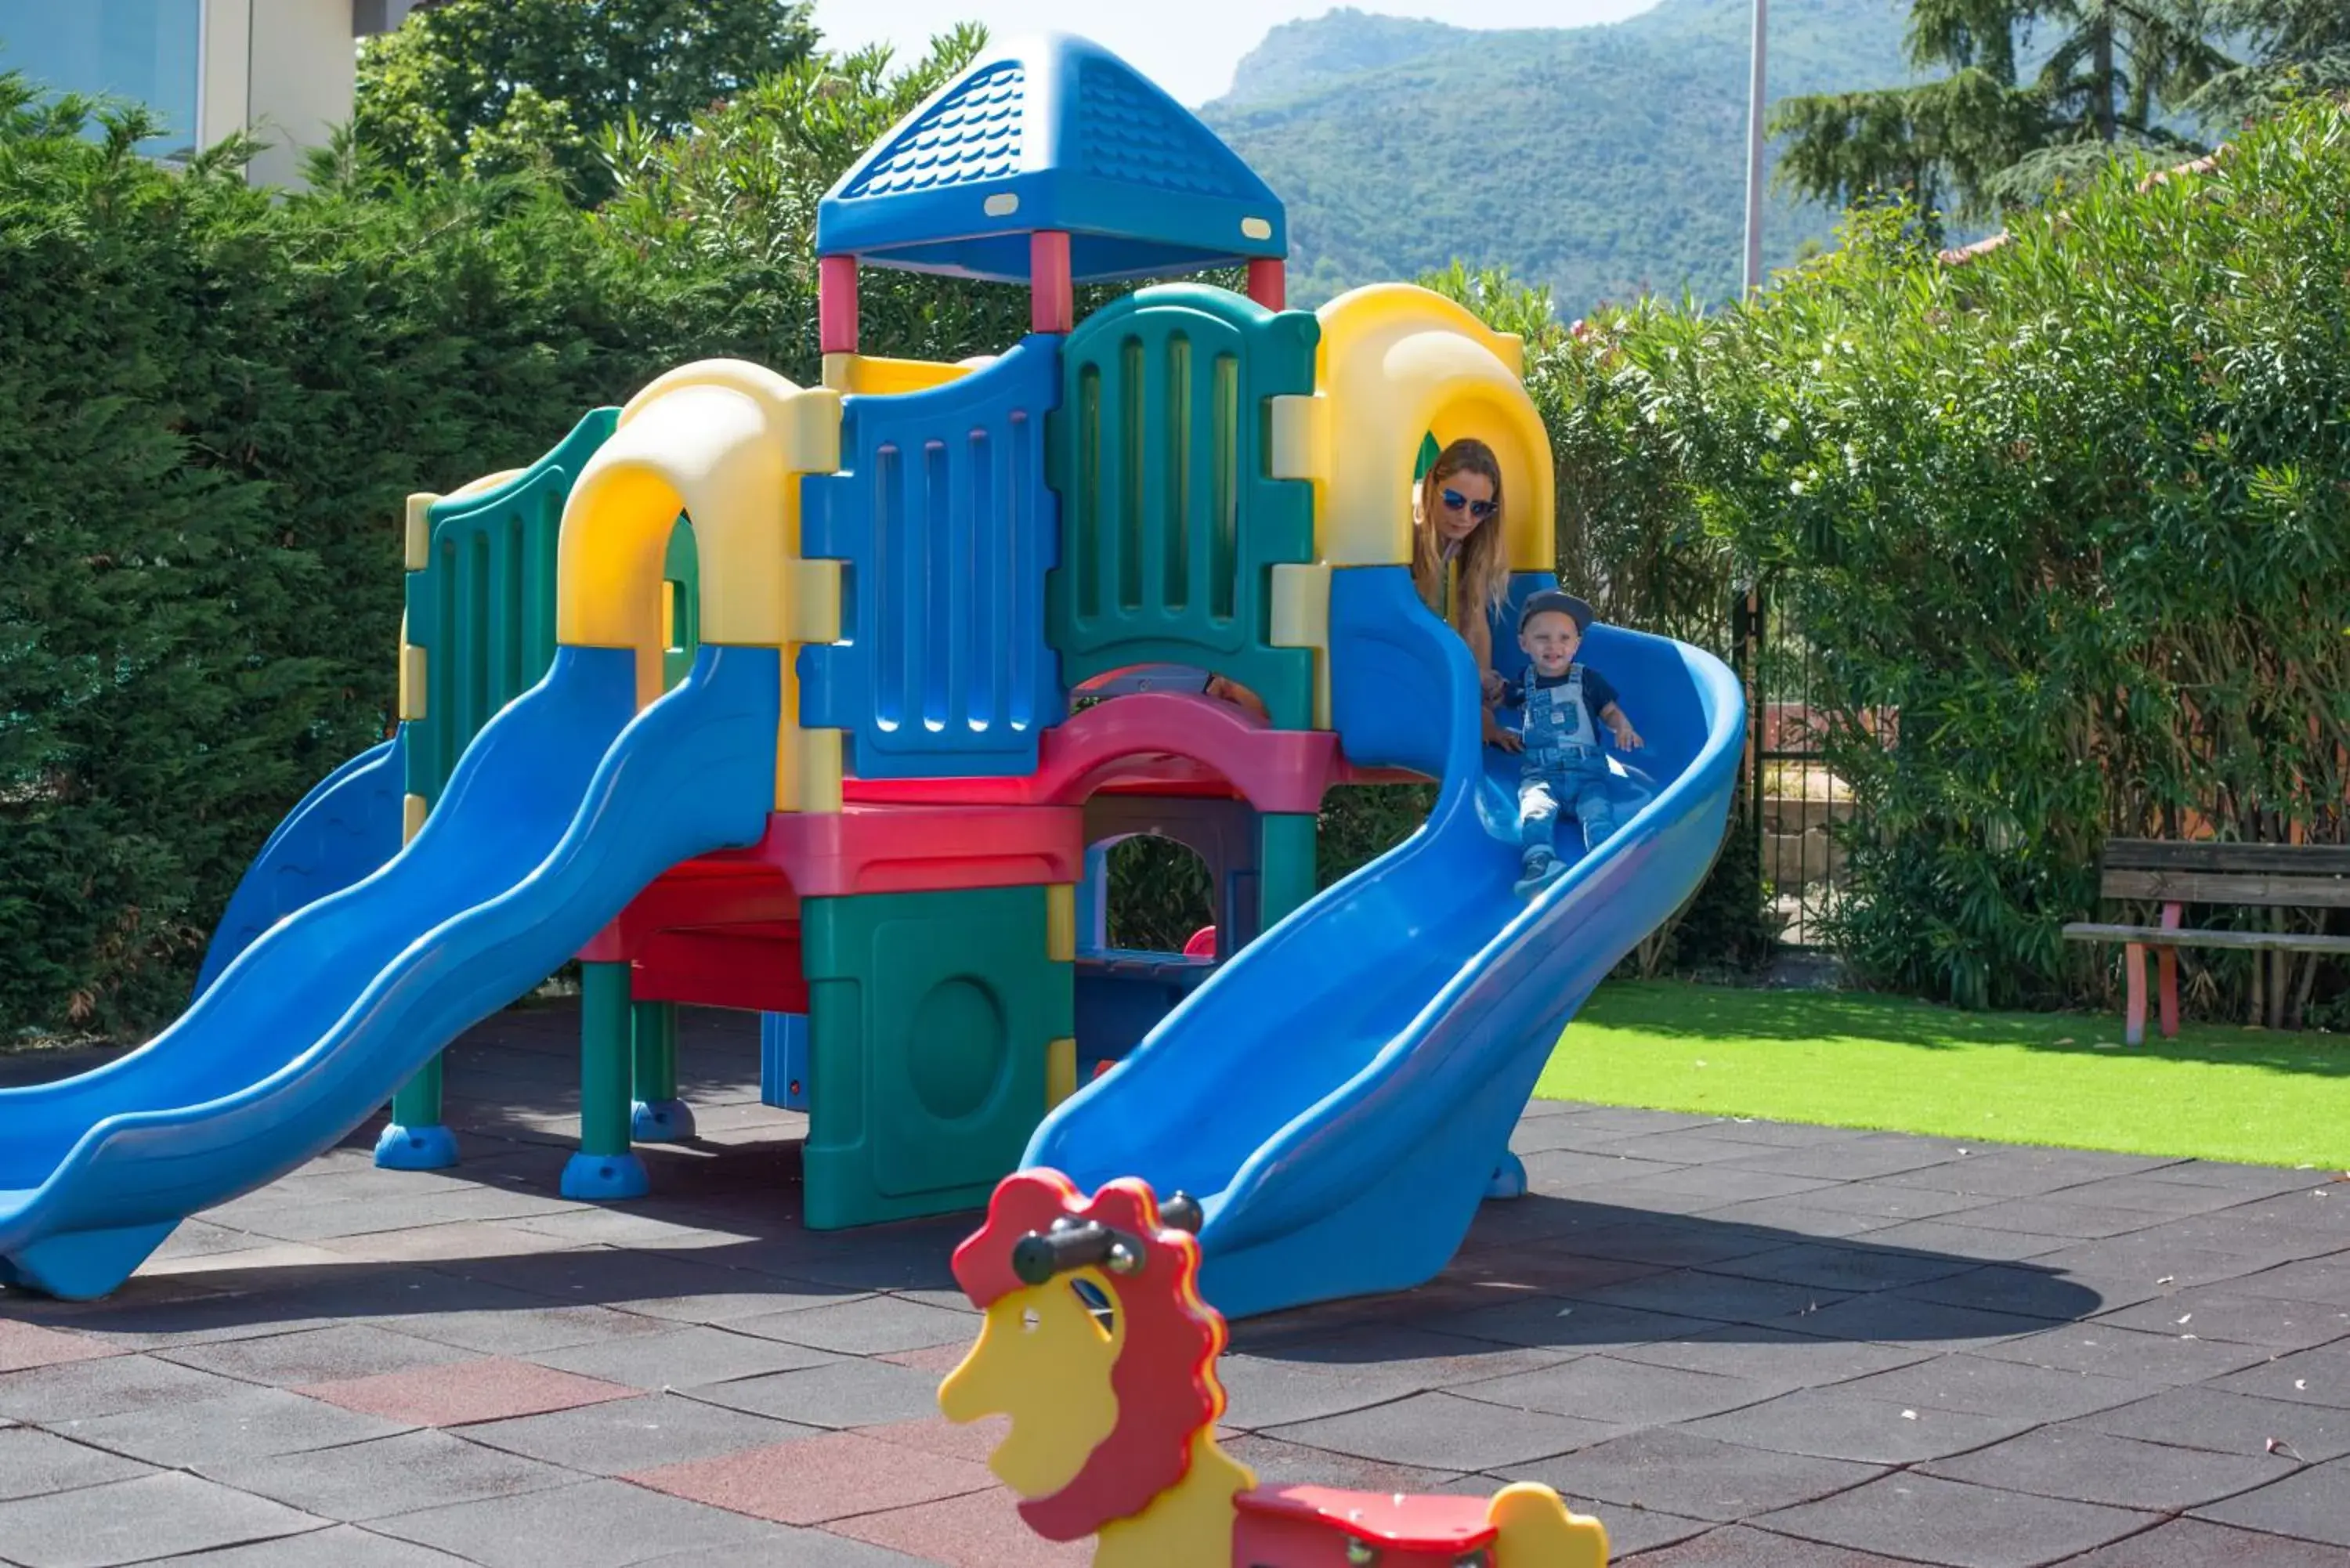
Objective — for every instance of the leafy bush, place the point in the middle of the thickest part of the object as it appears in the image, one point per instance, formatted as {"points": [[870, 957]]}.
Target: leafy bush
{"points": [[2078, 513]]}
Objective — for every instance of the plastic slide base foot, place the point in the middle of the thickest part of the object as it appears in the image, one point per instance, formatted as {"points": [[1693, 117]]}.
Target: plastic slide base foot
{"points": [[1509, 1178], [605, 1178], [661, 1121], [433, 1147], [82, 1265]]}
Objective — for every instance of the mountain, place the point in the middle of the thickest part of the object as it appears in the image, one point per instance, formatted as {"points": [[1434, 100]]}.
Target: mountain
{"points": [[1604, 160]]}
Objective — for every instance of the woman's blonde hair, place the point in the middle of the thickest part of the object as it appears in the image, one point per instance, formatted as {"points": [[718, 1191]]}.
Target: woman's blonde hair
{"points": [[1483, 565]]}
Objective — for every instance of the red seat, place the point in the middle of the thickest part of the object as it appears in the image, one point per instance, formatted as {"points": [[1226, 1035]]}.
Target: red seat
{"points": [[1313, 1527]]}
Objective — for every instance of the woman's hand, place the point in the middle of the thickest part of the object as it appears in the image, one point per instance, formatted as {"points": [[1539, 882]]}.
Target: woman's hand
{"points": [[1508, 740], [1494, 687]]}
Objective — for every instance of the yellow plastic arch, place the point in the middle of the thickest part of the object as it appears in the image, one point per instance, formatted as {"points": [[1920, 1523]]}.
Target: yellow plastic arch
{"points": [[725, 441], [1395, 363]]}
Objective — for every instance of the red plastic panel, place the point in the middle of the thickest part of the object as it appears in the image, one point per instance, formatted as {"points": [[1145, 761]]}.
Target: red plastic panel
{"points": [[1152, 740], [755, 968], [877, 848], [706, 892], [1310, 1527]]}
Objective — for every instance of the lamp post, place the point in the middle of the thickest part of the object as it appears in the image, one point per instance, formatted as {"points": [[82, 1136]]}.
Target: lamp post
{"points": [[1754, 151]]}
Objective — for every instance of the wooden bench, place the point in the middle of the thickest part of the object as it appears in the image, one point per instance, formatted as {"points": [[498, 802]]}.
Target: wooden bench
{"points": [[2173, 874]]}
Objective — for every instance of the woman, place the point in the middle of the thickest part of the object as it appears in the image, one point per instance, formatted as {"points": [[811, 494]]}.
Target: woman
{"points": [[1459, 561]]}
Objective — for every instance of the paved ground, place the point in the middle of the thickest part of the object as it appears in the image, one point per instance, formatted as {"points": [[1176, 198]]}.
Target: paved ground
{"points": [[1737, 1343]]}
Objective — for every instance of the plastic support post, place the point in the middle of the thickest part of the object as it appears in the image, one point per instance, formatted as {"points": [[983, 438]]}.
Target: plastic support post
{"points": [[1286, 865], [658, 1116], [1052, 298], [605, 1167], [417, 1139], [1509, 1178], [1268, 282], [836, 304], [2166, 964]]}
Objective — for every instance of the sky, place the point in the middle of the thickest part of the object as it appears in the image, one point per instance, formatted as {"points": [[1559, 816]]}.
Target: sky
{"points": [[1188, 46]]}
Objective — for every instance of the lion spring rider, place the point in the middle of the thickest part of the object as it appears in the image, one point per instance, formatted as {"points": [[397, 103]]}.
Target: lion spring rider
{"points": [[1097, 1345]]}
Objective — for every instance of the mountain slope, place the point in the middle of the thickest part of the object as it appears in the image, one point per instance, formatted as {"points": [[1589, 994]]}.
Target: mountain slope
{"points": [[1601, 160]]}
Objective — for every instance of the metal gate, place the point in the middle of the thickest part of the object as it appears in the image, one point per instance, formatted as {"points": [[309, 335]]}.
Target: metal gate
{"points": [[1797, 806]]}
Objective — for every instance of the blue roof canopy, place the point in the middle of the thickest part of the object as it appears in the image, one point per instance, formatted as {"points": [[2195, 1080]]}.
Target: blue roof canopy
{"points": [[1051, 132]]}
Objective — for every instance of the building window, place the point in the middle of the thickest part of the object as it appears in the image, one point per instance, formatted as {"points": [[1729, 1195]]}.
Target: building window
{"points": [[143, 50]]}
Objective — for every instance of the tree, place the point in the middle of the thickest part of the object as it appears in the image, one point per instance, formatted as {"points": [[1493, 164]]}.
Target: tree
{"points": [[2299, 46], [1985, 136], [476, 86]]}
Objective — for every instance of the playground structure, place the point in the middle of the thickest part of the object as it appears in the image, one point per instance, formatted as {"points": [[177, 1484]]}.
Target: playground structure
{"points": [[825, 703], [1097, 1344]]}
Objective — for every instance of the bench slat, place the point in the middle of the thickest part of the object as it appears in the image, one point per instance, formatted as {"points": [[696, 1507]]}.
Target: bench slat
{"points": [[2202, 855], [2157, 937], [2245, 887]]}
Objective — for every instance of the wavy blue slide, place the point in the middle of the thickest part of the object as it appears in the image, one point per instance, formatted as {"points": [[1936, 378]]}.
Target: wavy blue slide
{"points": [[343, 829], [565, 806], [1340, 1095]]}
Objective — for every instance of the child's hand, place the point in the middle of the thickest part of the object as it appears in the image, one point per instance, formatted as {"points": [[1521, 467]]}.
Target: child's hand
{"points": [[1508, 740], [1627, 738]]}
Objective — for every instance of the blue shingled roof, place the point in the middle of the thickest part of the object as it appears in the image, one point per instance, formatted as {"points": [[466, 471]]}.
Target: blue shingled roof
{"points": [[1051, 132]]}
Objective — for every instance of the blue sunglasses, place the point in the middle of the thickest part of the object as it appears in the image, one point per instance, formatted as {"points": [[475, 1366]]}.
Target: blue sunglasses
{"points": [[1481, 510]]}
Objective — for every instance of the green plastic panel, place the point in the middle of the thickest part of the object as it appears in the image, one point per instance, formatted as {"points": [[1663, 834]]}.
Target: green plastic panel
{"points": [[483, 608], [930, 1015], [1170, 526], [1285, 864]]}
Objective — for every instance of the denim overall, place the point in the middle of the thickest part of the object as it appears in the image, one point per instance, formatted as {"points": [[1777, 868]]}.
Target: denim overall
{"points": [[1564, 763]]}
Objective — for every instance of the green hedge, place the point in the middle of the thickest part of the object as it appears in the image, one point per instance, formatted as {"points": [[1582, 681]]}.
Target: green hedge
{"points": [[2078, 512]]}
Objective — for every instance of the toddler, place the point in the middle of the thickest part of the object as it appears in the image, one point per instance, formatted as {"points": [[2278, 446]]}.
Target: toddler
{"points": [[1564, 704]]}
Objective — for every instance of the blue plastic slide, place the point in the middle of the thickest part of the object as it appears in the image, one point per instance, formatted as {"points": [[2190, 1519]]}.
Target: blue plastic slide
{"points": [[343, 830], [1340, 1095], [565, 806]]}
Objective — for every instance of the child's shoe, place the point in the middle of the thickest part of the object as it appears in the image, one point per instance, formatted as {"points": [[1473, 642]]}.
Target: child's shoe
{"points": [[1541, 870]]}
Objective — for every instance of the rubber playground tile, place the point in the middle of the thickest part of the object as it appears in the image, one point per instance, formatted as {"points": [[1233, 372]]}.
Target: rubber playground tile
{"points": [[456, 1241], [1959, 1526], [1888, 1203], [491, 1388], [1773, 1355], [1548, 1322], [864, 1327], [1850, 1159], [24, 1345], [1792, 1220], [1619, 1392], [2125, 1268], [625, 1435], [2320, 1377], [972, 1440], [975, 1530], [1898, 1318], [343, 1546], [1563, 1170], [1700, 1477], [2022, 1290], [134, 1521], [2014, 1171], [2227, 1423], [1277, 1463], [251, 1423], [2059, 1215], [1739, 1546], [1980, 1385], [840, 1394], [1636, 1529], [675, 1357], [938, 1360], [2192, 1544], [2116, 1352], [2321, 1279], [1719, 1183], [315, 1356], [2312, 1505], [1675, 1243], [1445, 1432], [2088, 1465], [2158, 1193], [1699, 1147], [363, 1481], [1953, 1237], [592, 1525], [1857, 1268], [104, 1387], [1830, 1423], [33, 1462], [526, 1328], [821, 1479], [1718, 1297], [2238, 1314], [783, 1547]]}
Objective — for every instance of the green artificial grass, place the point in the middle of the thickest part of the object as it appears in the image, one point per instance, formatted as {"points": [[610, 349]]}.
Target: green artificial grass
{"points": [[1841, 1059]]}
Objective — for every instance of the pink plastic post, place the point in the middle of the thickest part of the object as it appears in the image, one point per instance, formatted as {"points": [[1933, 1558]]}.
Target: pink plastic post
{"points": [[1268, 281], [2168, 989], [2134, 979], [836, 307], [1202, 943], [1052, 298]]}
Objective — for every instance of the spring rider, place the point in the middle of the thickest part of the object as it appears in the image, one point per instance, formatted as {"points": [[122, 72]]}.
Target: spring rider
{"points": [[1098, 1346]]}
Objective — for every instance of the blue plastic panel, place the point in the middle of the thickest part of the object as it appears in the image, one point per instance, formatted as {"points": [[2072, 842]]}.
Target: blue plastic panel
{"points": [[941, 513], [784, 1060], [1051, 133]]}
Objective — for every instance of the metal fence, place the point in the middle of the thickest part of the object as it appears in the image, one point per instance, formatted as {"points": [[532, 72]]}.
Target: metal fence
{"points": [[1795, 802]]}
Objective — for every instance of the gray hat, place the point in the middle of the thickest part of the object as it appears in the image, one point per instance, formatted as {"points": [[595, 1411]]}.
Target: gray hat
{"points": [[1559, 600]]}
